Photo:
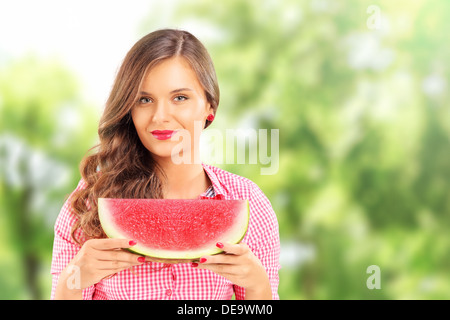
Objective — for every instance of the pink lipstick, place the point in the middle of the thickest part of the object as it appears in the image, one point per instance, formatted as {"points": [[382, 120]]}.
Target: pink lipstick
{"points": [[163, 134]]}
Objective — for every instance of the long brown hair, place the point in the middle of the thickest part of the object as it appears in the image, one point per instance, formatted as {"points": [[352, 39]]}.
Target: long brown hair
{"points": [[120, 166]]}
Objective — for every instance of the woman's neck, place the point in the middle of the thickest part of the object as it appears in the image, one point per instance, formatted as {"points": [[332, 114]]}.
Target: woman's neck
{"points": [[183, 181]]}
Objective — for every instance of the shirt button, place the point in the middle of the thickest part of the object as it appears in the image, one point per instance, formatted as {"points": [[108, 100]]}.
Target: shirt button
{"points": [[168, 292]]}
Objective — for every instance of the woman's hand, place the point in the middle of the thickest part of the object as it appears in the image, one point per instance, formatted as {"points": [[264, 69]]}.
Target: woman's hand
{"points": [[96, 260], [239, 265]]}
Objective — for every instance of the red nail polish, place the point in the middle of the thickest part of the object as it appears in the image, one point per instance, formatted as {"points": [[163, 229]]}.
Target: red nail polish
{"points": [[202, 260], [141, 259], [194, 264], [219, 245], [132, 243]]}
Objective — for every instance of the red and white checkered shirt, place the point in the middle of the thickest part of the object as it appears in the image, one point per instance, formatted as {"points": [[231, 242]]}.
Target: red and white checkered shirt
{"points": [[154, 280]]}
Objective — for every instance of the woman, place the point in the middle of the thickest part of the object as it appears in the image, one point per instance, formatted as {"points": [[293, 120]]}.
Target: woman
{"points": [[164, 88]]}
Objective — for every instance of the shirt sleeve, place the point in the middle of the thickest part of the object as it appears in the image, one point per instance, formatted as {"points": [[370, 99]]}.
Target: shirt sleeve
{"points": [[64, 247], [264, 239]]}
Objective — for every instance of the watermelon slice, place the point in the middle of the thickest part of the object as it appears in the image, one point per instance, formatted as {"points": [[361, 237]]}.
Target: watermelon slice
{"points": [[179, 230]]}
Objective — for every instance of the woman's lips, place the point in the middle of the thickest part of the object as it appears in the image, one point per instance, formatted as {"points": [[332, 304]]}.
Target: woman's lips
{"points": [[163, 134]]}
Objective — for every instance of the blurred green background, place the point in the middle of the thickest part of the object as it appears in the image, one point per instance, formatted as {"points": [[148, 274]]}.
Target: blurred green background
{"points": [[359, 91]]}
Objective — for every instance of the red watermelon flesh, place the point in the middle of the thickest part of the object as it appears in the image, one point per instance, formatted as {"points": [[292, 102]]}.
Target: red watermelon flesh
{"points": [[174, 228]]}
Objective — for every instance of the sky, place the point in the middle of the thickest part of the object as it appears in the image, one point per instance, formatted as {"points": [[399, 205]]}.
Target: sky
{"points": [[90, 37]]}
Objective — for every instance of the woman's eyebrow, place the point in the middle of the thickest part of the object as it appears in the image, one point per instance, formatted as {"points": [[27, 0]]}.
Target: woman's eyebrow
{"points": [[181, 89], [173, 91]]}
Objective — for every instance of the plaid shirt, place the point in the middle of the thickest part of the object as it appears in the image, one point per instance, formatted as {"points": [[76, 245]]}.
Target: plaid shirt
{"points": [[154, 280]]}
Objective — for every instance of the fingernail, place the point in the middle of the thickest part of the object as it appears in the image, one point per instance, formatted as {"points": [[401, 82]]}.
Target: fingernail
{"points": [[141, 259], [219, 245], [202, 260], [132, 243], [194, 264]]}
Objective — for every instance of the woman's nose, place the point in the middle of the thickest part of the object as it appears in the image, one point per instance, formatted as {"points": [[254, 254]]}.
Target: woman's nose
{"points": [[161, 112]]}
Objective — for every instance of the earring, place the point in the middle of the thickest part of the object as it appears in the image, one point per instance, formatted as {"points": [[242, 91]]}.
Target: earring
{"points": [[210, 117]]}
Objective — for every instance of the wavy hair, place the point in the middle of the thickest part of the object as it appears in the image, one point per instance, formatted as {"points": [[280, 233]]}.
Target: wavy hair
{"points": [[120, 166]]}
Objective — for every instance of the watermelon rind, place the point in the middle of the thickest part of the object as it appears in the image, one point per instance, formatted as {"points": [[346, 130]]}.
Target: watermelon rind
{"points": [[169, 256]]}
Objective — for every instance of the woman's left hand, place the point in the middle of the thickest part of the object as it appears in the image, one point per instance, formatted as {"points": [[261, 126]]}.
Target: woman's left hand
{"points": [[239, 265]]}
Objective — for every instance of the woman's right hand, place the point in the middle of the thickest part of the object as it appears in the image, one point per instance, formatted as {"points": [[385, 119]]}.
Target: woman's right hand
{"points": [[96, 260]]}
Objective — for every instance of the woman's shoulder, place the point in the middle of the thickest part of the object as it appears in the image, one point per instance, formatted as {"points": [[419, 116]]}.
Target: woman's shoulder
{"points": [[231, 184], [263, 223], [67, 218], [230, 175]]}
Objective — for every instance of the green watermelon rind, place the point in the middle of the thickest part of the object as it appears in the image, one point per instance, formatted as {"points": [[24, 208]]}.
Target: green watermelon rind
{"points": [[187, 256]]}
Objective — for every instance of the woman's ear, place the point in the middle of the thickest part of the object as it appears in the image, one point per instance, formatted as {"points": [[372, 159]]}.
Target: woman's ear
{"points": [[209, 109]]}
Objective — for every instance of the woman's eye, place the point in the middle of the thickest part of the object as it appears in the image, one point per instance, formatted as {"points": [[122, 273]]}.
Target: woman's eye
{"points": [[145, 100], [180, 98]]}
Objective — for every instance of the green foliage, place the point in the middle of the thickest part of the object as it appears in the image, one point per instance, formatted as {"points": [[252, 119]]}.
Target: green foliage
{"points": [[45, 130], [364, 144]]}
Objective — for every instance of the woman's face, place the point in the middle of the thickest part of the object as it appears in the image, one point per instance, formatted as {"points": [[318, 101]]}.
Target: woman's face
{"points": [[171, 110]]}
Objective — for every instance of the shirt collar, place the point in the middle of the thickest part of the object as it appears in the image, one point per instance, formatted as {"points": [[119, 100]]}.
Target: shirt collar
{"points": [[217, 186]]}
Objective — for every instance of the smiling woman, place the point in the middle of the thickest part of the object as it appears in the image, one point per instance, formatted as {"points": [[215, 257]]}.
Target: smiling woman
{"points": [[173, 101], [164, 89]]}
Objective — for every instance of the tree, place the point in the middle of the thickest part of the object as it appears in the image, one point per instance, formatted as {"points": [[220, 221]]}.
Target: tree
{"points": [[45, 129], [364, 152]]}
